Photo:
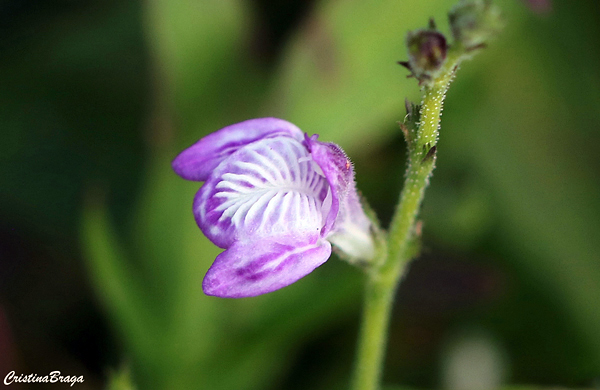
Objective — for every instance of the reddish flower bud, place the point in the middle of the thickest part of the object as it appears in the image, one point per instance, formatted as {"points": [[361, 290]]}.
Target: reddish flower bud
{"points": [[427, 53]]}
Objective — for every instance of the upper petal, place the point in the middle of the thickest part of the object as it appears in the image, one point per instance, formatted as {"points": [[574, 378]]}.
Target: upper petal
{"points": [[338, 171], [197, 161], [268, 188], [255, 267], [346, 226]]}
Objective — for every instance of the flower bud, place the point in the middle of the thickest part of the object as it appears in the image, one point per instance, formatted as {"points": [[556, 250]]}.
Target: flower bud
{"points": [[427, 52], [474, 22]]}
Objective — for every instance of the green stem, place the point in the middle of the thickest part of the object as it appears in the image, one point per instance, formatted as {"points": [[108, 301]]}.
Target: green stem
{"points": [[373, 335], [419, 169], [383, 280]]}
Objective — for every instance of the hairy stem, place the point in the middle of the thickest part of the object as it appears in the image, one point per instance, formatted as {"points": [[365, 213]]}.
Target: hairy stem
{"points": [[422, 155], [383, 280]]}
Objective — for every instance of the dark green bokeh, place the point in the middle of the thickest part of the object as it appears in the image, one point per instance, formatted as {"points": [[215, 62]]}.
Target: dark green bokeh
{"points": [[101, 262]]}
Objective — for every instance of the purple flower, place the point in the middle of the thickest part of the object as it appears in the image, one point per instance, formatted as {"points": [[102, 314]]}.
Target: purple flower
{"points": [[275, 200]]}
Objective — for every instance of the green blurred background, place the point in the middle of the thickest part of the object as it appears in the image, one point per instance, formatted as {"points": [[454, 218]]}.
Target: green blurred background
{"points": [[101, 261]]}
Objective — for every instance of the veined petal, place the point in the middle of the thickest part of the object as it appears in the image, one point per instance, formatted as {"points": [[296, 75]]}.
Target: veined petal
{"points": [[346, 226], [197, 161], [264, 189], [255, 267], [338, 171]]}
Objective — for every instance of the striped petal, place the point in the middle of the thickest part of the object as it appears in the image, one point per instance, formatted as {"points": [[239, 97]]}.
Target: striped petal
{"points": [[337, 169], [255, 267], [197, 161], [268, 188], [346, 226]]}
